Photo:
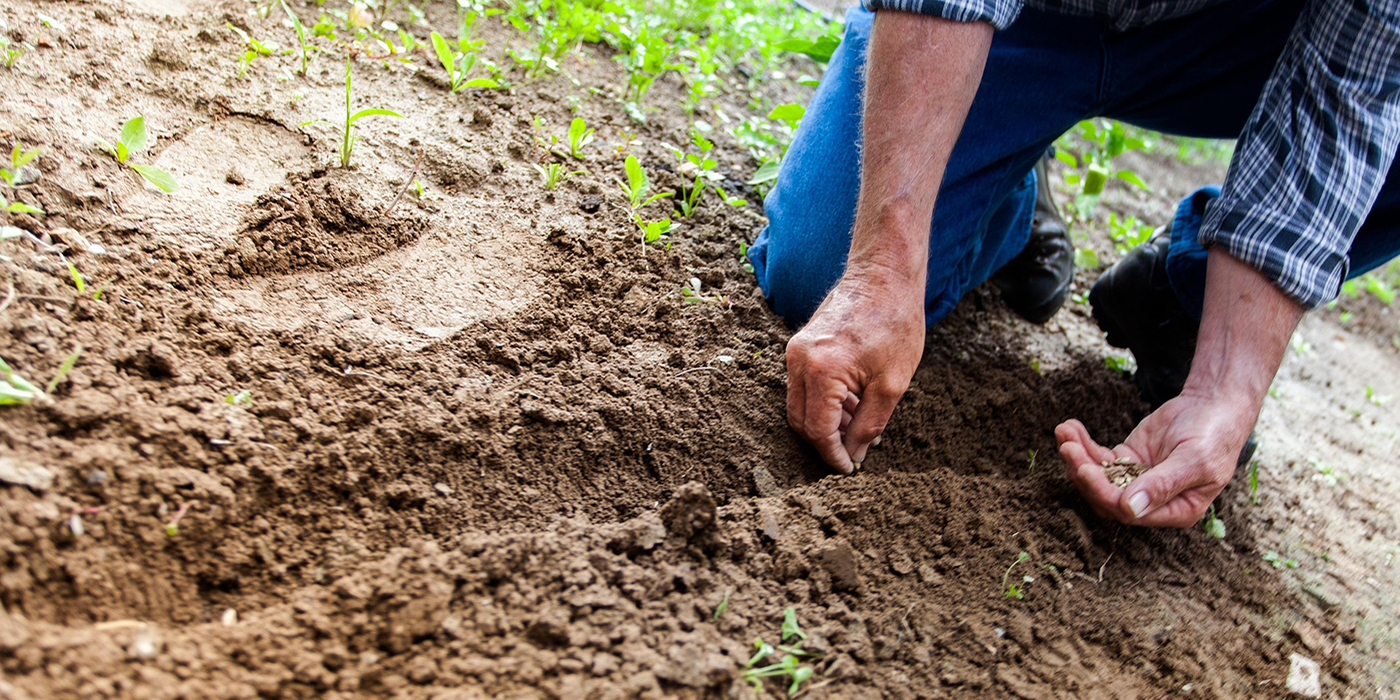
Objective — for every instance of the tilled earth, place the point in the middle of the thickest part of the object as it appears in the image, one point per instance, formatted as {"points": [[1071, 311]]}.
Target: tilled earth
{"points": [[489, 451]]}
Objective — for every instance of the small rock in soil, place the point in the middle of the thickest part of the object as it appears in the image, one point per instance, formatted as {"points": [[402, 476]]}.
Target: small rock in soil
{"points": [[1304, 676], [34, 476], [1124, 471], [840, 561], [765, 484]]}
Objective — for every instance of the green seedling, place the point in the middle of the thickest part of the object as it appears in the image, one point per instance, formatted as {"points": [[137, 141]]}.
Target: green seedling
{"points": [[252, 49], [1127, 233], [1278, 561], [18, 391], [1011, 590], [347, 132], [702, 164], [1374, 398], [1106, 139], [18, 207], [1325, 473], [789, 667], [1086, 258], [693, 295], [241, 398], [306, 47], [744, 257], [1030, 459], [553, 174], [458, 63], [9, 53], [1213, 526], [723, 606], [172, 528], [638, 185], [1121, 365], [132, 141], [18, 159], [579, 136], [652, 231]]}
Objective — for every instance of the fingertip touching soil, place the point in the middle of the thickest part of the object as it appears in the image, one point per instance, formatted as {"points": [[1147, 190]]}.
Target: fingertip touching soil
{"points": [[326, 438]]}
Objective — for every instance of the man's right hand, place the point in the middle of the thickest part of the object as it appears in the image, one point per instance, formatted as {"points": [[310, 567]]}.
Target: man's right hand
{"points": [[848, 367]]}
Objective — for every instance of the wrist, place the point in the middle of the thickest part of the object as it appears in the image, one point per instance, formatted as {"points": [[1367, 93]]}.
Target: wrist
{"points": [[889, 248]]}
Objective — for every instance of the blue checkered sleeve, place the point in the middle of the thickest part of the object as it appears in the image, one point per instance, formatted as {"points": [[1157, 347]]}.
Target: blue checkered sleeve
{"points": [[1314, 154], [1000, 13]]}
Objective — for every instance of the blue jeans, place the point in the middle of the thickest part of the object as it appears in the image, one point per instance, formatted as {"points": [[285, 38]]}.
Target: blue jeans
{"points": [[1195, 76]]}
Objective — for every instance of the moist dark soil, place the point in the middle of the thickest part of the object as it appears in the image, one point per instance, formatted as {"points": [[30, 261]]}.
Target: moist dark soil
{"points": [[489, 451]]}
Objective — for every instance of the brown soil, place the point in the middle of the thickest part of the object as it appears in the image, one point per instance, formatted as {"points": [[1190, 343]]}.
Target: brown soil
{"points": [[475, 464]]}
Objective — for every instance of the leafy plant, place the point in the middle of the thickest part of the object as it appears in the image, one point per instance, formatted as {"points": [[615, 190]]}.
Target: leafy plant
{"points": [[1086, 258], [1011, 590], [18, 159], [1121, 365], [1278, 561], [18, 391], [1374, 398], [789, 667], [9, 53], [459, 62], [703, 165], [347, 132], [723, 606], [252, 48], [790, 114], [638, 185], [552, 174], [579, 136], [1213, 526], [240, 398], [1127, 233], [132, 141], [744, 257], [692, 294], [1106, 139]]}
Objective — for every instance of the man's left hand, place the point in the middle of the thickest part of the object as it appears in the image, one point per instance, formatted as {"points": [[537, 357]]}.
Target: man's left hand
{"points": [[1191, 444]]}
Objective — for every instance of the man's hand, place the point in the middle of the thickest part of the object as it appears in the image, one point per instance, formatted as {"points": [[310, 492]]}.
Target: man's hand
{"points": [[848, 367], [1193, 441]]}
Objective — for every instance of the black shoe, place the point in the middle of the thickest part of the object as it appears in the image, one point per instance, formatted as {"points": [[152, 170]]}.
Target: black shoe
{"points": [[1133, 302], [1036, 282]]}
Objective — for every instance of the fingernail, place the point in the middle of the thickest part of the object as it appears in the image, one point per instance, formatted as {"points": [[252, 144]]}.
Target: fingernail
{"points": [[1138, 503], [859, 456], [875, 442], [855, 466]]}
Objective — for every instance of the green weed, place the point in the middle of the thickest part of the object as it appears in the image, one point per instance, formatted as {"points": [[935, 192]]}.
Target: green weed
{"points": [[579, 136], [132, 141], [347, 132], [18, 391], [638, 185], [18, 159], [9, 53], [252, 49], [459, 62], [744, 257], [240, 398], [1278, 561], [703, 165], [306, 47], [1127, 233], [1374, 398], [1011, 590], [692, 294], [789, 667], [1103, 140], [723, 606], [552, 174], [1030, 461], [1254, 481], [1086, 258], [1121, 365], [1213, 526]]}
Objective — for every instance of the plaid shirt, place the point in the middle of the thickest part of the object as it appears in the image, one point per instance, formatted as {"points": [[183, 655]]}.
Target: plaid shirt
{"points": [[1314, 153]]}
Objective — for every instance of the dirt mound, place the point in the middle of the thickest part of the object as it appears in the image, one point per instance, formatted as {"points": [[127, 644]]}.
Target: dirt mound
{"points": [[314, 223]]}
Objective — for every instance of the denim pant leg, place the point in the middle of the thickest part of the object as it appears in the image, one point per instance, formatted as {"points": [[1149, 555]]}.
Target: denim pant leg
{"points": [[1039, 81], [1201, 76]]}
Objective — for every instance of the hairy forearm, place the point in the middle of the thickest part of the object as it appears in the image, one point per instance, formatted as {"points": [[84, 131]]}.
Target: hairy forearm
{"points": [[922, 74], [1245, 329]]}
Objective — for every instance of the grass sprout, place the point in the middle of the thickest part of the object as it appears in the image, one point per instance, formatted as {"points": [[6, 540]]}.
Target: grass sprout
{"points": [[306, 47], [459, 62], [252, 48], [1011, 590], [789, 666], [347, 131], [552, 174]]}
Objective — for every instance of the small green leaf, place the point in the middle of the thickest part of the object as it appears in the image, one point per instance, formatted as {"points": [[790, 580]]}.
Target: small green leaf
{"points": [[64, 369], [479, 83], [1132, 177], [165, 181], [122, 153], [373, 112], [133, 135], [22, 208], [1086, 258], [444, 54], [791, 113], [790, 627], [77, 278], [1067, 158], [767, 172], [819, 49], [19, 160]]}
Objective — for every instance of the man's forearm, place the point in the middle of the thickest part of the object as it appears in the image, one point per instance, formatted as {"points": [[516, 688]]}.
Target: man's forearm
{"points": [[922, 74], [1244, 332]]}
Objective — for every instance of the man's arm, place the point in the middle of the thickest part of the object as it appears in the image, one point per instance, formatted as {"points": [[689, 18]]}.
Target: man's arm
{"points": [[848, 367], [1193, 440]]}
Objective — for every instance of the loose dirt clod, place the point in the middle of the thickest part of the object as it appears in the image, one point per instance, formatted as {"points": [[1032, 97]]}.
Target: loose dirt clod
{"points": [[1123, 471]]}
